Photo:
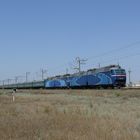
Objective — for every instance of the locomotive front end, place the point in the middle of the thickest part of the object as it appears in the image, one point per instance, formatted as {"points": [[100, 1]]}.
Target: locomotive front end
{"points": [[119, 77]]}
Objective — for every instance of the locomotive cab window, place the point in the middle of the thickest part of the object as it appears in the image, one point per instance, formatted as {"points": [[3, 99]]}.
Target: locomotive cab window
{"points": [[112, 72], [120, 71]]}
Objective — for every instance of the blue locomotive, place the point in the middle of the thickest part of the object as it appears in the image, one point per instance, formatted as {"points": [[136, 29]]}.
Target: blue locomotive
{"points": [[105, 77], [110, 76]]}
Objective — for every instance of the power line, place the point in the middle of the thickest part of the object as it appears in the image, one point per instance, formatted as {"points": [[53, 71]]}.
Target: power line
{"points": [[106, 53], [115, 50], [121, 58], [79, 62]]}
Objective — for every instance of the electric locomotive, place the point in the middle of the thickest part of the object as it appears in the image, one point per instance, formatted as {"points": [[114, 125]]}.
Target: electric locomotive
{"points": [[110, 76]]}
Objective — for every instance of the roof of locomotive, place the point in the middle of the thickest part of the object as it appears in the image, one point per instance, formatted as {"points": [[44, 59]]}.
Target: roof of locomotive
{"points": [[103, 69], [94, 70]]}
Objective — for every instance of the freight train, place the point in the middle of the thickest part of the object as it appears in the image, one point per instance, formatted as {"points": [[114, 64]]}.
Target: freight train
{"points": [[106, 77]]}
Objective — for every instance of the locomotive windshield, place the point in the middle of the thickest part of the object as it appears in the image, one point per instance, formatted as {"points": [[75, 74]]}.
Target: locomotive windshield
{"points": [[118, 71]]}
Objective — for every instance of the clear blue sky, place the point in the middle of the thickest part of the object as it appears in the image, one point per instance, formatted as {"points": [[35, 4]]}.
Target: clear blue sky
{"points": [[49, 34]]}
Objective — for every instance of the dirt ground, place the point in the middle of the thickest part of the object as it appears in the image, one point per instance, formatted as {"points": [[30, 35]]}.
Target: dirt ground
{"points": [[70, 115]]}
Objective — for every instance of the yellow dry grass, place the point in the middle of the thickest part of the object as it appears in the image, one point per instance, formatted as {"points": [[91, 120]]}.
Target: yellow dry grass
{"points": [[70, 115]]}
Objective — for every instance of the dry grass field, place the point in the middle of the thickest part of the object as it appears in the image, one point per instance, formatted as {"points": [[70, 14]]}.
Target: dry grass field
{"points": [[70, 115]]}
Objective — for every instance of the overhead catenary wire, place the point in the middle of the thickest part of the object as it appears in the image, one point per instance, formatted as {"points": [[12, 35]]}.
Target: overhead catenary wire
{"points": [[113, 51], [120, 58]]}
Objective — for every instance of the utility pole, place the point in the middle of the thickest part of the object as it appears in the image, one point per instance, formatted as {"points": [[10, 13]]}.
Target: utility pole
{"points": [[67, 70], [3, 82], [43, 72], [118, 64], [16, 79], [79, 62], [8, 81], [27, 74], [130, 77]]}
